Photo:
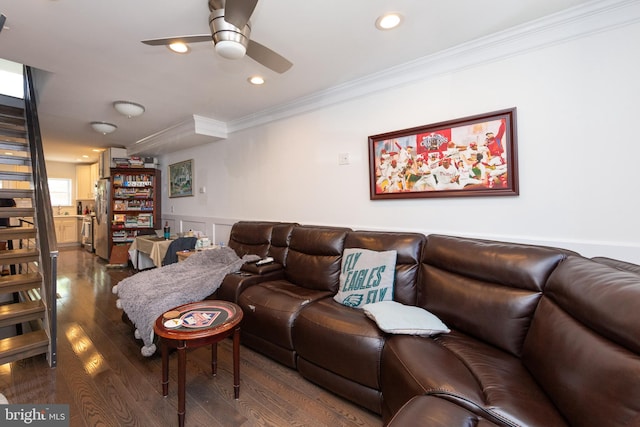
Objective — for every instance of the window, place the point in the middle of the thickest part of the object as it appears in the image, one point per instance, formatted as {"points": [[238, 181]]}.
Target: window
{"points": [[60, 191], [11, 81]]}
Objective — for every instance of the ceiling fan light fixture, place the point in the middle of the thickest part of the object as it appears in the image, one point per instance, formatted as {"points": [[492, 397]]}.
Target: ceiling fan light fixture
{"points": [[103, 127], [388, 21], [230, 41], [129, 109], [230, 49], [179, 47]]}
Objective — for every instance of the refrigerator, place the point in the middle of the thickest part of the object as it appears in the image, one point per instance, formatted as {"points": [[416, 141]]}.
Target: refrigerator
{"points": [[103, 218]]}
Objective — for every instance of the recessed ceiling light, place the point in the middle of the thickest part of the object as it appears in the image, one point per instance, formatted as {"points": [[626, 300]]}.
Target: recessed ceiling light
{"points": [[256, 80], [85, 156], [388, 21], [179, 47]]}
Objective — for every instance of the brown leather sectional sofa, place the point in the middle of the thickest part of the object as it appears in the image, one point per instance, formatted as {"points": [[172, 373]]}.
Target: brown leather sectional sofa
{"points": [[539, 336]]}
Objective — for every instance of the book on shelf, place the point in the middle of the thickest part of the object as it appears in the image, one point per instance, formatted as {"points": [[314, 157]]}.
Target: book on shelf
{"points": [[145, 220]]}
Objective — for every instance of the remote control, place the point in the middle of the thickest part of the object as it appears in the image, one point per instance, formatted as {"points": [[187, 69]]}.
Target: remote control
{"points": [[266, 260]]}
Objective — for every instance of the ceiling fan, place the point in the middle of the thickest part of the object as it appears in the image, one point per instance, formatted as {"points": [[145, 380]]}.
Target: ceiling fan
{"points": [[230, 31]]}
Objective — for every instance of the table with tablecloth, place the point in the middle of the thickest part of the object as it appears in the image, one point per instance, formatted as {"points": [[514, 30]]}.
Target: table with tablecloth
{"points": [[148, 251]]}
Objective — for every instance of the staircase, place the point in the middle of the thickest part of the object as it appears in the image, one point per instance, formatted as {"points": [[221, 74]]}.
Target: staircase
{"points": [[28, 256]]}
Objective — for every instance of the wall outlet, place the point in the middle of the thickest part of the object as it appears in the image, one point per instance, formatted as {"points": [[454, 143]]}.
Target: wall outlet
{"points": [[343, 158]]}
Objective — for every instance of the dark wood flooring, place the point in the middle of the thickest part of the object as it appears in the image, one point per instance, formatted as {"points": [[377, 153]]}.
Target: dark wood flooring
{"points": [[105, 380]]}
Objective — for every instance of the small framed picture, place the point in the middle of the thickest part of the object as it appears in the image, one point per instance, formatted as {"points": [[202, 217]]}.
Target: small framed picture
{"points": [[181, 179], [472, 156]]}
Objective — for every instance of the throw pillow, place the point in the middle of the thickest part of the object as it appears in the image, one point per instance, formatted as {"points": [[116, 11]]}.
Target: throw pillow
{"points": [[395, 318], [366, 277]]}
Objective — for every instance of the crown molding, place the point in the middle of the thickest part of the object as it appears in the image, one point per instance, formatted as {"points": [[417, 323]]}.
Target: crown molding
{"points": [[580, 21], [577, 22]]}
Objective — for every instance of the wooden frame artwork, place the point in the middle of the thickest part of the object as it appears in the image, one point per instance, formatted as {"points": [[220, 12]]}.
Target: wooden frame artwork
{"points": [[181, 179], [472, 156]]}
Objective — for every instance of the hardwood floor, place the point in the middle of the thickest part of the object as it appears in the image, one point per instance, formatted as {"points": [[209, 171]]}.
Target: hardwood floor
{"points": [[105, 380]]}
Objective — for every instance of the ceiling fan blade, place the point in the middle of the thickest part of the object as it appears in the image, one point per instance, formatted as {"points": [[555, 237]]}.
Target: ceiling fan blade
{"points": [[184, 39], [2, 19], [267, 57], [238, 12]]}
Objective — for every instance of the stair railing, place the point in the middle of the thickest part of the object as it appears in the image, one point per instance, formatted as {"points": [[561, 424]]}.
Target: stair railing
{"points": [[43, 216]]}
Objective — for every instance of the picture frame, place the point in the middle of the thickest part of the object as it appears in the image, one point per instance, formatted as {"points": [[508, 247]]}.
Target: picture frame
{"points": [[181, 179], [467, 157]]}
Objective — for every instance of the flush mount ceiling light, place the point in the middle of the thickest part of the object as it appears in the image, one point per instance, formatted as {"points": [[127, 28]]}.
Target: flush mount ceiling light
{"points": [[129, 109], [103, 127], [388, 21]]}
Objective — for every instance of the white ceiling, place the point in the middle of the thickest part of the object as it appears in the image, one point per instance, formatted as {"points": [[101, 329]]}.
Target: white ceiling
{"points": [[88, 54]]}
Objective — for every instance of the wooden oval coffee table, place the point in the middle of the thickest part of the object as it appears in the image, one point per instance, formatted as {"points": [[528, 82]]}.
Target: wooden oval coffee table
{"points": [[195, 325]]}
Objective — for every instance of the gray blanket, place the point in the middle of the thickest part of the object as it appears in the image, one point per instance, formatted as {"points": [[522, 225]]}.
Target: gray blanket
{"points": [[147, 294]]}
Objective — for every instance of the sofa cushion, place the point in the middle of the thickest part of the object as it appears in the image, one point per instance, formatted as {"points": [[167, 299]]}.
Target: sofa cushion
{"points": [[340, 339], [469, 372], [486, 289], [584, 342], [395, 318], [433, 411], [270, 310], [280, 238], [314, 257], [251, 237], [365, 277], [616, 263]]}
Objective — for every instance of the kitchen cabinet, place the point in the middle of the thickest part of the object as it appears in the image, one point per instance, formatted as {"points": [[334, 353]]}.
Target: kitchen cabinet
{"points": [[94, 176], [86, 177], [84, 189], [66, 229]]}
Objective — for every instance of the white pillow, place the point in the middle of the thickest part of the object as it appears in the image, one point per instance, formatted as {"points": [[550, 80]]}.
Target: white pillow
{"points": [[366, 277], [395, 318]]}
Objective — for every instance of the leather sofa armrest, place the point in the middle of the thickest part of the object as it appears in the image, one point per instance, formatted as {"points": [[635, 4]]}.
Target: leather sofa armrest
{"points": [[261, 270], [235, 283]]}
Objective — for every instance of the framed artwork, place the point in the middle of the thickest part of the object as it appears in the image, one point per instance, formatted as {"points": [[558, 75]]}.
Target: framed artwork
{"points": [[472, 156], [181, 179]]}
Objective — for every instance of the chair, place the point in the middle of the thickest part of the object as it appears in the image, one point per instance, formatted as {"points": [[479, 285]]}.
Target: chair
{"points": [[179, 244]]}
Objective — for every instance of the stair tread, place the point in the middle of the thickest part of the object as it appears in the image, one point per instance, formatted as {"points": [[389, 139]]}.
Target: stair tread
{"points": [[8, 212], [23, 343], [9, 110], [18, 142], [19, 279], [17, 255], [17, 232], [27, 307], [16, 194]]}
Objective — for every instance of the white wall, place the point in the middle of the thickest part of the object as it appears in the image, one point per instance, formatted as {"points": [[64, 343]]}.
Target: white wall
{"points": [[577, 122]]}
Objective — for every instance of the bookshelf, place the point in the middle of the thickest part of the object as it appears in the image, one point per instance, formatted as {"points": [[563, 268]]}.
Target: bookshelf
{"points": [[135, 203]]}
